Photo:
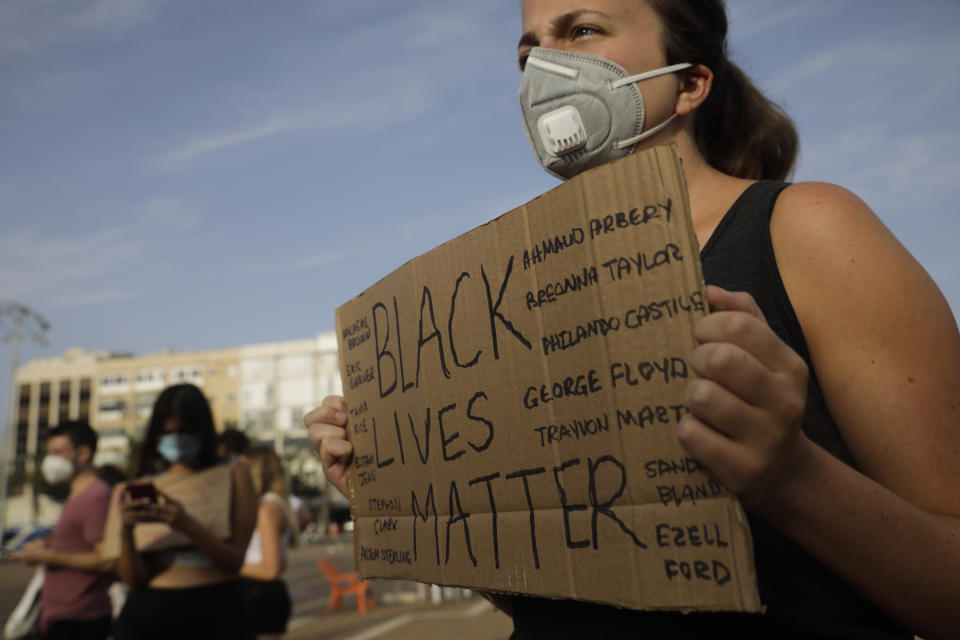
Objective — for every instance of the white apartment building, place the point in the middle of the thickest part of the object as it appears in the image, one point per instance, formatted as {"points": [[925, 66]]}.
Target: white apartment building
{"points": [[264, 389], [281, 381]]}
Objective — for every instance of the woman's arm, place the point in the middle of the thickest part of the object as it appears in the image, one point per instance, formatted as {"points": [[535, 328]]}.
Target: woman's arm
{"points": [[39, 553], [131, 567], [886, 351], [271, 525]]}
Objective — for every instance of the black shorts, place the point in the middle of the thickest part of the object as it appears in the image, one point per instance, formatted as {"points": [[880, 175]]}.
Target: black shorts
{"points": [[208, 612], [267, 605], [98, 629]]}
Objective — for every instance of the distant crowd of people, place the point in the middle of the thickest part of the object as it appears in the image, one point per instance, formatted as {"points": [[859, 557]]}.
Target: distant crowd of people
{"points": [[202, 585]]}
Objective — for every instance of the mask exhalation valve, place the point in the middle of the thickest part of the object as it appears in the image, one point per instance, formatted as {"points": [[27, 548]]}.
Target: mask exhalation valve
{"points": [[562, 131]]}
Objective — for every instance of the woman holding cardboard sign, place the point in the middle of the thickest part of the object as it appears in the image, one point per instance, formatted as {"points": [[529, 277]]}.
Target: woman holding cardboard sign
{"points": [[829, 370], [191, 591]]}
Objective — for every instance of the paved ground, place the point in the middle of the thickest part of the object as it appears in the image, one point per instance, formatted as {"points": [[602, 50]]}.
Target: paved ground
{"points": [[13, 580], [402, 609]]}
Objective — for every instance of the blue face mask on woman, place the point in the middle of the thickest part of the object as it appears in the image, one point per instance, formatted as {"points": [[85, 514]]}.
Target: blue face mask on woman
{"points": [[179, 447]]}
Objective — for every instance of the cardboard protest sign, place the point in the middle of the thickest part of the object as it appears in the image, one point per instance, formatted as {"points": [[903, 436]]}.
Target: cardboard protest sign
{"points": [[205, 496], [513, 397]]}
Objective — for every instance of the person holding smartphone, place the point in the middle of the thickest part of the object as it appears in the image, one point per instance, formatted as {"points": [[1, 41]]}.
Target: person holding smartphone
{"points": [[192, 591]]}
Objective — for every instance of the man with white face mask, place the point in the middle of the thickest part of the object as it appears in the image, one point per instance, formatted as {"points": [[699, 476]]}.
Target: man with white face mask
{"points": [[74, 600]]}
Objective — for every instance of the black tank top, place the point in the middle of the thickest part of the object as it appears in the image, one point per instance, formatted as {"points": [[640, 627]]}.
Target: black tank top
{"points": [[803, 598]]}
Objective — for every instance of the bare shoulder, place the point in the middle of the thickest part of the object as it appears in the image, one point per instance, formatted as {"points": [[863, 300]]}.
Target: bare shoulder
{"points": [[826, 211], [270, 508], [832, 249], [883, 340]]}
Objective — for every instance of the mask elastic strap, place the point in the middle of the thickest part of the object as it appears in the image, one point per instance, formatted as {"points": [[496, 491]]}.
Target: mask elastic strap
{"points": [[629, 142], [650, 74]]}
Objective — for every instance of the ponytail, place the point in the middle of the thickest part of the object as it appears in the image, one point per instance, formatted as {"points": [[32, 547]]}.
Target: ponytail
{"points": [[737, 129]]}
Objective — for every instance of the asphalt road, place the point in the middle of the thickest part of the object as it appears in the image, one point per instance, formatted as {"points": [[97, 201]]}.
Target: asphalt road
{"points": [[402, 610]]}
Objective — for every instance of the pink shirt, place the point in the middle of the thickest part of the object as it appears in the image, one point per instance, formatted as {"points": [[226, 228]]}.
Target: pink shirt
{"points": [[69, 594]]}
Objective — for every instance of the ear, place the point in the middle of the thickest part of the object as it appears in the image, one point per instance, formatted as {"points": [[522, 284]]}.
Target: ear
{"points": [[85, 455], [694, 88]]}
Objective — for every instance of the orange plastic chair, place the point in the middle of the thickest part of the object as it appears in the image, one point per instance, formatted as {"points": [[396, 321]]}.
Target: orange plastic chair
{"points": [[344, 583]]}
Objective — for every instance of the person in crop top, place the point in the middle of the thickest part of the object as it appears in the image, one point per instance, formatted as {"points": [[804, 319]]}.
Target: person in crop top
{"points": [[195, 591]]}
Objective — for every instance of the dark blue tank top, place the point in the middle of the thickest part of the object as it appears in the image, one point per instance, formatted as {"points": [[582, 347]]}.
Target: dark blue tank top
{"points": [[803, 598]]}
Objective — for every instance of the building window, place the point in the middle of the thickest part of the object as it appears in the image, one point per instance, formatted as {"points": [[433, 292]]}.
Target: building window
{"points": [[111, 409], [44, 417], [84, 413], [63, 411], [21, 446], [143, 405], [149, 379], [22, 416], [188, 373]]}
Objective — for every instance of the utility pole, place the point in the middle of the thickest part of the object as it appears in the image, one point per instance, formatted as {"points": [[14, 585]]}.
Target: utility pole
{"points": [[19, 323]]}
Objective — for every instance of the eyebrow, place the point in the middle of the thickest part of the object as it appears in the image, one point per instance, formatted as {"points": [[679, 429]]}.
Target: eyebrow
{"points": [[558, 25]]}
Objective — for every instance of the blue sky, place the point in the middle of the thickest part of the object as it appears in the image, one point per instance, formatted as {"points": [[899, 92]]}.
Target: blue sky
{"points": [[209, 174]]}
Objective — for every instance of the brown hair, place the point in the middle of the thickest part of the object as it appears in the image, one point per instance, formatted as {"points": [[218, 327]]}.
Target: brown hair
{"points": [[266, 470], [737, 129]]}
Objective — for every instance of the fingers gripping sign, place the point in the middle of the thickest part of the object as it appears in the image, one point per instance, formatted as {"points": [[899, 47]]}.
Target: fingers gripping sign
{"points": [[326, 426], [747, 404]]}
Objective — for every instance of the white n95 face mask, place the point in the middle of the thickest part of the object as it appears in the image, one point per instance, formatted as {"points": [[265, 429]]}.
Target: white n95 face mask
{"points": [[56, 470], [581, 111]]}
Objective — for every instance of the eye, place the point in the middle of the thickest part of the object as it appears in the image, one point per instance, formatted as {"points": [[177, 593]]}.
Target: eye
{"points": [[583, 30]]}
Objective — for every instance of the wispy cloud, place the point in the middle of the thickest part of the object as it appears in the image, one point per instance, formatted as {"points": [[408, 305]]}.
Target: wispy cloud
{"points": [[205, 144], [431, 27], [881, 57], [388, 72], [386, 103], [309, 262], [905, 178], [749, 18], [63, 268], [168, 213], [417, 233], [73, 299], [36, 263], [30, 26]]}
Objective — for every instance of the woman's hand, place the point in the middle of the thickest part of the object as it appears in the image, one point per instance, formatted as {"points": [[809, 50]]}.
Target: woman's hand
{"points": [[165, 510], [132, 512], [329, 438], [747, 405]]}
